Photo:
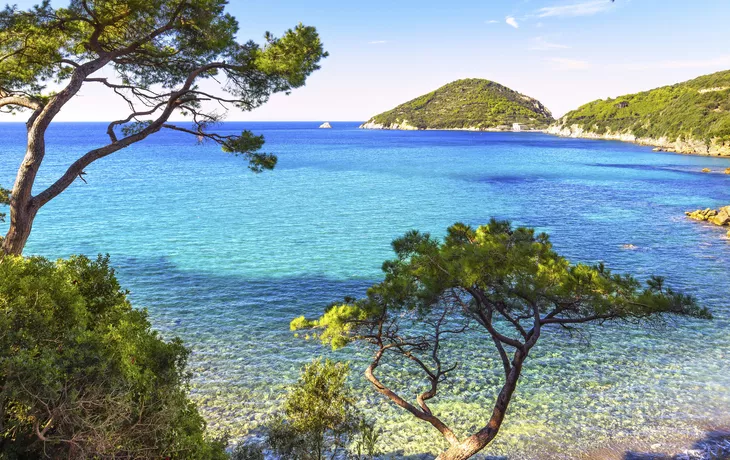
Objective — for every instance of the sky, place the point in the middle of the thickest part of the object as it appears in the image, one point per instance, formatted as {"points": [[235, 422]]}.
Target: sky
{"points": [[382, 53]]}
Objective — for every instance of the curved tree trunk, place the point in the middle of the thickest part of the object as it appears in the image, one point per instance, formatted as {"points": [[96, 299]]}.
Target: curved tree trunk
{"points": [[23, 208], [478, 441], [21, 222]]}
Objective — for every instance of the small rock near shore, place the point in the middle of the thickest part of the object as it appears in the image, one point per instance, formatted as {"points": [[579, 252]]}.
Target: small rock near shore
{"points": [[719, 217]]}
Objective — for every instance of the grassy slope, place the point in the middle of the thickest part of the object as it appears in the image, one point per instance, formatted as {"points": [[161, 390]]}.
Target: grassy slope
{"points": [[470, 103], [676, 111]]}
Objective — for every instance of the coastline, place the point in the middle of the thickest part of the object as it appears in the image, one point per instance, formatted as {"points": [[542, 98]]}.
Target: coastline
{"points": [[663, 144], [687, 147], [408, 127]]}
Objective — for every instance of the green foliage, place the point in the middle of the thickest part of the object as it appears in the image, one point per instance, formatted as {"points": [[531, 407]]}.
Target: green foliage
{"points": [[33, 31], [469, 103], [198, 32], [696, 109], [336, 324], [248, 144], [512, 270], [4, 201], [292, 57], [366, 443], [82, 375], [319, 417]]}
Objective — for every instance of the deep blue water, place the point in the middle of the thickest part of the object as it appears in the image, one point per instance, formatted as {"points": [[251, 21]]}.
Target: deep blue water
{"points": [[225, 259]]}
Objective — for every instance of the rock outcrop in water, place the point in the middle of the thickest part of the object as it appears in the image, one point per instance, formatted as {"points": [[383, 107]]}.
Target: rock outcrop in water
{"points": [[467, 105], [719, 217], [325, 125], [689, 117]]}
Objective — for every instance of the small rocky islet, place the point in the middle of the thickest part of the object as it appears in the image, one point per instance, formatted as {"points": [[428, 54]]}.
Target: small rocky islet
{"points": [[719, 217]]}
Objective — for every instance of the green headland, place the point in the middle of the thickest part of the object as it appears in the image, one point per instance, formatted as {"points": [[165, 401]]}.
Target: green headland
{"points": [[688, 117], [469, 104]]}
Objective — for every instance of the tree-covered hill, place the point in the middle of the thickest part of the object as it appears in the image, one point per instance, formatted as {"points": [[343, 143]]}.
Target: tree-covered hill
{"points": [[466, 104], [688, 117]]}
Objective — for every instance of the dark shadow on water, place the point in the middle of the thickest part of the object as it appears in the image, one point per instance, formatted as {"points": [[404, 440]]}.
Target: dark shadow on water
{"points": [[160, 281], [714, 446], [691, 170], [508, 179]]}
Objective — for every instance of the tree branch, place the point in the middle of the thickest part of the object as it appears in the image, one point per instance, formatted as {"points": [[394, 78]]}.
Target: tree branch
{"points": [[20, 101], [79, 165], [420, 414]]}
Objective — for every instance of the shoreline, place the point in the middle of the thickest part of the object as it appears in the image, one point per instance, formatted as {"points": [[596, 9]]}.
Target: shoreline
{"points": [[407, 127], [662, 144], [687, 147]]}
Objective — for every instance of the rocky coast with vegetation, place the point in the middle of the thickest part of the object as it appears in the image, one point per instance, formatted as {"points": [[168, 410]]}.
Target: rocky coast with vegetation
{"points": [[692, 117]]}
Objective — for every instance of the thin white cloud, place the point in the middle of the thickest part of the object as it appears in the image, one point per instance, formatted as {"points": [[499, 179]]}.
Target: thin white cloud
{"points": [[576, 9], [378, 42], [491, 21], [721, 61], [569, 64], [512, 21], [542, 44]]}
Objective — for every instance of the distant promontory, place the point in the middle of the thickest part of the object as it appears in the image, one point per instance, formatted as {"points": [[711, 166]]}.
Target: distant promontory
{"points": [[688, 117], [471, 104]]}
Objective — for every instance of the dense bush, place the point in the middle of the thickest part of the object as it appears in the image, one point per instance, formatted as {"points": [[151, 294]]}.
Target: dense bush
{"points": [[82, 375]]}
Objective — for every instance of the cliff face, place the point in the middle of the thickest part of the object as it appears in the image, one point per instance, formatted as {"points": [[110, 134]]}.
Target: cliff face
{"points": [[688, 146], [472, 104], [689, 117]]}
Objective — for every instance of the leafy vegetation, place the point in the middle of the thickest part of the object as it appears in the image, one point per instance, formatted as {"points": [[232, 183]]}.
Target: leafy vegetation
{"points": [[319, 420], [82, 375], [469, 103], [4, 201], [696, 109], [498, 286]]}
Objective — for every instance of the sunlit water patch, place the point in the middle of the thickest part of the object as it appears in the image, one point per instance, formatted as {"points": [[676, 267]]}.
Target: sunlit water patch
{"points": [[224, 259]]}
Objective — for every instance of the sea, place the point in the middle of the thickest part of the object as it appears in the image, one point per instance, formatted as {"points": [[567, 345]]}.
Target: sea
{"points": [[224, 259]]}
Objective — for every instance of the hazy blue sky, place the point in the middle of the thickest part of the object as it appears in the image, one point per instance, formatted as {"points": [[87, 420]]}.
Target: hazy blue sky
{"points": [[562, 52]]}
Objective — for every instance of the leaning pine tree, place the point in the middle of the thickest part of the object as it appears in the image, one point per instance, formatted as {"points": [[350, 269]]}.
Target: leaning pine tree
{"points": [[159, 51], [508, 283]]}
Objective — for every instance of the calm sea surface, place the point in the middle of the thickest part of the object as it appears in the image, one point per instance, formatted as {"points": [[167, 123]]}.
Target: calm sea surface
{"points": [[225, 259]]}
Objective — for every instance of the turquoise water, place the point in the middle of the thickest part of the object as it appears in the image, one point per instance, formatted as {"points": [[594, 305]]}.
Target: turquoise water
{"points": [[225, 259]]}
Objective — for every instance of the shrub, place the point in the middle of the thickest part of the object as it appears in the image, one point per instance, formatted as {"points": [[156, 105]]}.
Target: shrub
{"points": [[82, 373], [319, 418]]}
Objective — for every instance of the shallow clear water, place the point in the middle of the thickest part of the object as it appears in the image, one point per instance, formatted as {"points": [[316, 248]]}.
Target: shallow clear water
{"points": [[225, 259]]}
